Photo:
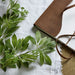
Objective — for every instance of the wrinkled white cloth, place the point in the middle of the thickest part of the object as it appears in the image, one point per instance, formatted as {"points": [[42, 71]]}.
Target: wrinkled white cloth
{"points": [[35, 8]]}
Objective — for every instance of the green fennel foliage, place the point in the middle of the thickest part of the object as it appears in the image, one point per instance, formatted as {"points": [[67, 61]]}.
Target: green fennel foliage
{"points": [[14, 52]]}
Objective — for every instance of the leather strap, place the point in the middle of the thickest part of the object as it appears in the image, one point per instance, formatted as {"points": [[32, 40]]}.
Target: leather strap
{"points": [[69, 7], [65, 36], [66, 43]]}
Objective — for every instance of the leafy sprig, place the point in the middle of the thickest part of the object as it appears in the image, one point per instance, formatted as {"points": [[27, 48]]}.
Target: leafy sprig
{"points": [[15, 52], [9, 22], [10, 51]]}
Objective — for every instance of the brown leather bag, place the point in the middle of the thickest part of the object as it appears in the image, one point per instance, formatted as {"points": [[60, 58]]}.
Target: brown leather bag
{"points": [[50, 22]]}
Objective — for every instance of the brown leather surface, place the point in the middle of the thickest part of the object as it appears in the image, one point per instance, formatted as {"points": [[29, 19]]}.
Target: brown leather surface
{"points": [[51, 20], [68, 66]]}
